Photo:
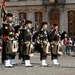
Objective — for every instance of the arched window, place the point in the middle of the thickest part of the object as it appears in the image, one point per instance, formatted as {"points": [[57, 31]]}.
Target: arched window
{"points": [[38, 18], [22, 16]]}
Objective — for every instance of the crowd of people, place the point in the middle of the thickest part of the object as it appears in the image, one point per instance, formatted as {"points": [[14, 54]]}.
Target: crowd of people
{"points": [[24, 39], [69, 45]]}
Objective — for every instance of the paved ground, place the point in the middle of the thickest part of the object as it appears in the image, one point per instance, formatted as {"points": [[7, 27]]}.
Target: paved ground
{"points": [[67, 67]]}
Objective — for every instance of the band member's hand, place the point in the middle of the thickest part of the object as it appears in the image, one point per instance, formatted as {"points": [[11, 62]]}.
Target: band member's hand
{"points": [[57, 34], [0, 47], [27, 45], [41, 46], [52, 45]]}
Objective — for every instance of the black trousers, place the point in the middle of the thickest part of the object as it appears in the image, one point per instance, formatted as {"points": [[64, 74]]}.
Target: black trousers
{"points": [[53, 56], [26, 57], [4, 52], [8, 56], [19, 50], [43, 55], [13, 56]]}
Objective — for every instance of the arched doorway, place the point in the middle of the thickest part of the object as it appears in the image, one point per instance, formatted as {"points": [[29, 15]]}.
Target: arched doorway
{"points": [[54, 16]]}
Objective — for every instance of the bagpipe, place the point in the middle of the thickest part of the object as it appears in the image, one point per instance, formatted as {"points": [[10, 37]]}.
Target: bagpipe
{"points": [[10, 38], [3, 11]]}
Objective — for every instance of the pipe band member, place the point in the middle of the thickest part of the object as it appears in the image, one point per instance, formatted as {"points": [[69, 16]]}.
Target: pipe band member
{"points": [[43, 43], [54, 43], [26, 35]]}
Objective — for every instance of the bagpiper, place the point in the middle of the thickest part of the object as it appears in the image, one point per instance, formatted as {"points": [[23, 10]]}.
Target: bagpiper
{"points": [[9, 43], [26, 35], [54, 43], [20, 40], [43, 36]]}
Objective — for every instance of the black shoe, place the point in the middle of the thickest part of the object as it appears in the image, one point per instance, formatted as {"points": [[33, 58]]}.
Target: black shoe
{"points": [[14, 64]]}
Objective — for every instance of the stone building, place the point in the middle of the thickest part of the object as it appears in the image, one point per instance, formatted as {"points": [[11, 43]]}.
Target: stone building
{"points": [[61, 12]]}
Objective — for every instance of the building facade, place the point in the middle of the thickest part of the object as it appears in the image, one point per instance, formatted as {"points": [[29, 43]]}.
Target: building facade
{"points": [[61, 12]]}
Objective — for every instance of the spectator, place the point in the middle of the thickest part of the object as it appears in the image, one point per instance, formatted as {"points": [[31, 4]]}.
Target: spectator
{"points": [[69, 46], [0, 44], [65, 41], [74, 40]]}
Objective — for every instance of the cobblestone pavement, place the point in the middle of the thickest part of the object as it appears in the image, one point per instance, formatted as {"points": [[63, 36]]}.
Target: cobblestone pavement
{"points": [[67, 67]]}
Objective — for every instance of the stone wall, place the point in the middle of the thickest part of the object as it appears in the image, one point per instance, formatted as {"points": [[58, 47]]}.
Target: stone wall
{"points": [[70, 1], [16, 7]]}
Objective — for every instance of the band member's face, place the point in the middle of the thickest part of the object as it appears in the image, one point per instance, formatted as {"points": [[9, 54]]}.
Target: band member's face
{"points": [[29, 25], [56, 27], [65, 35], [23, 23], [45, 26], [9, 19]]}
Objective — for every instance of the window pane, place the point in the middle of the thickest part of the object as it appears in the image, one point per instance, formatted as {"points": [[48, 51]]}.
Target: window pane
{"points": [[22, 16]]}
